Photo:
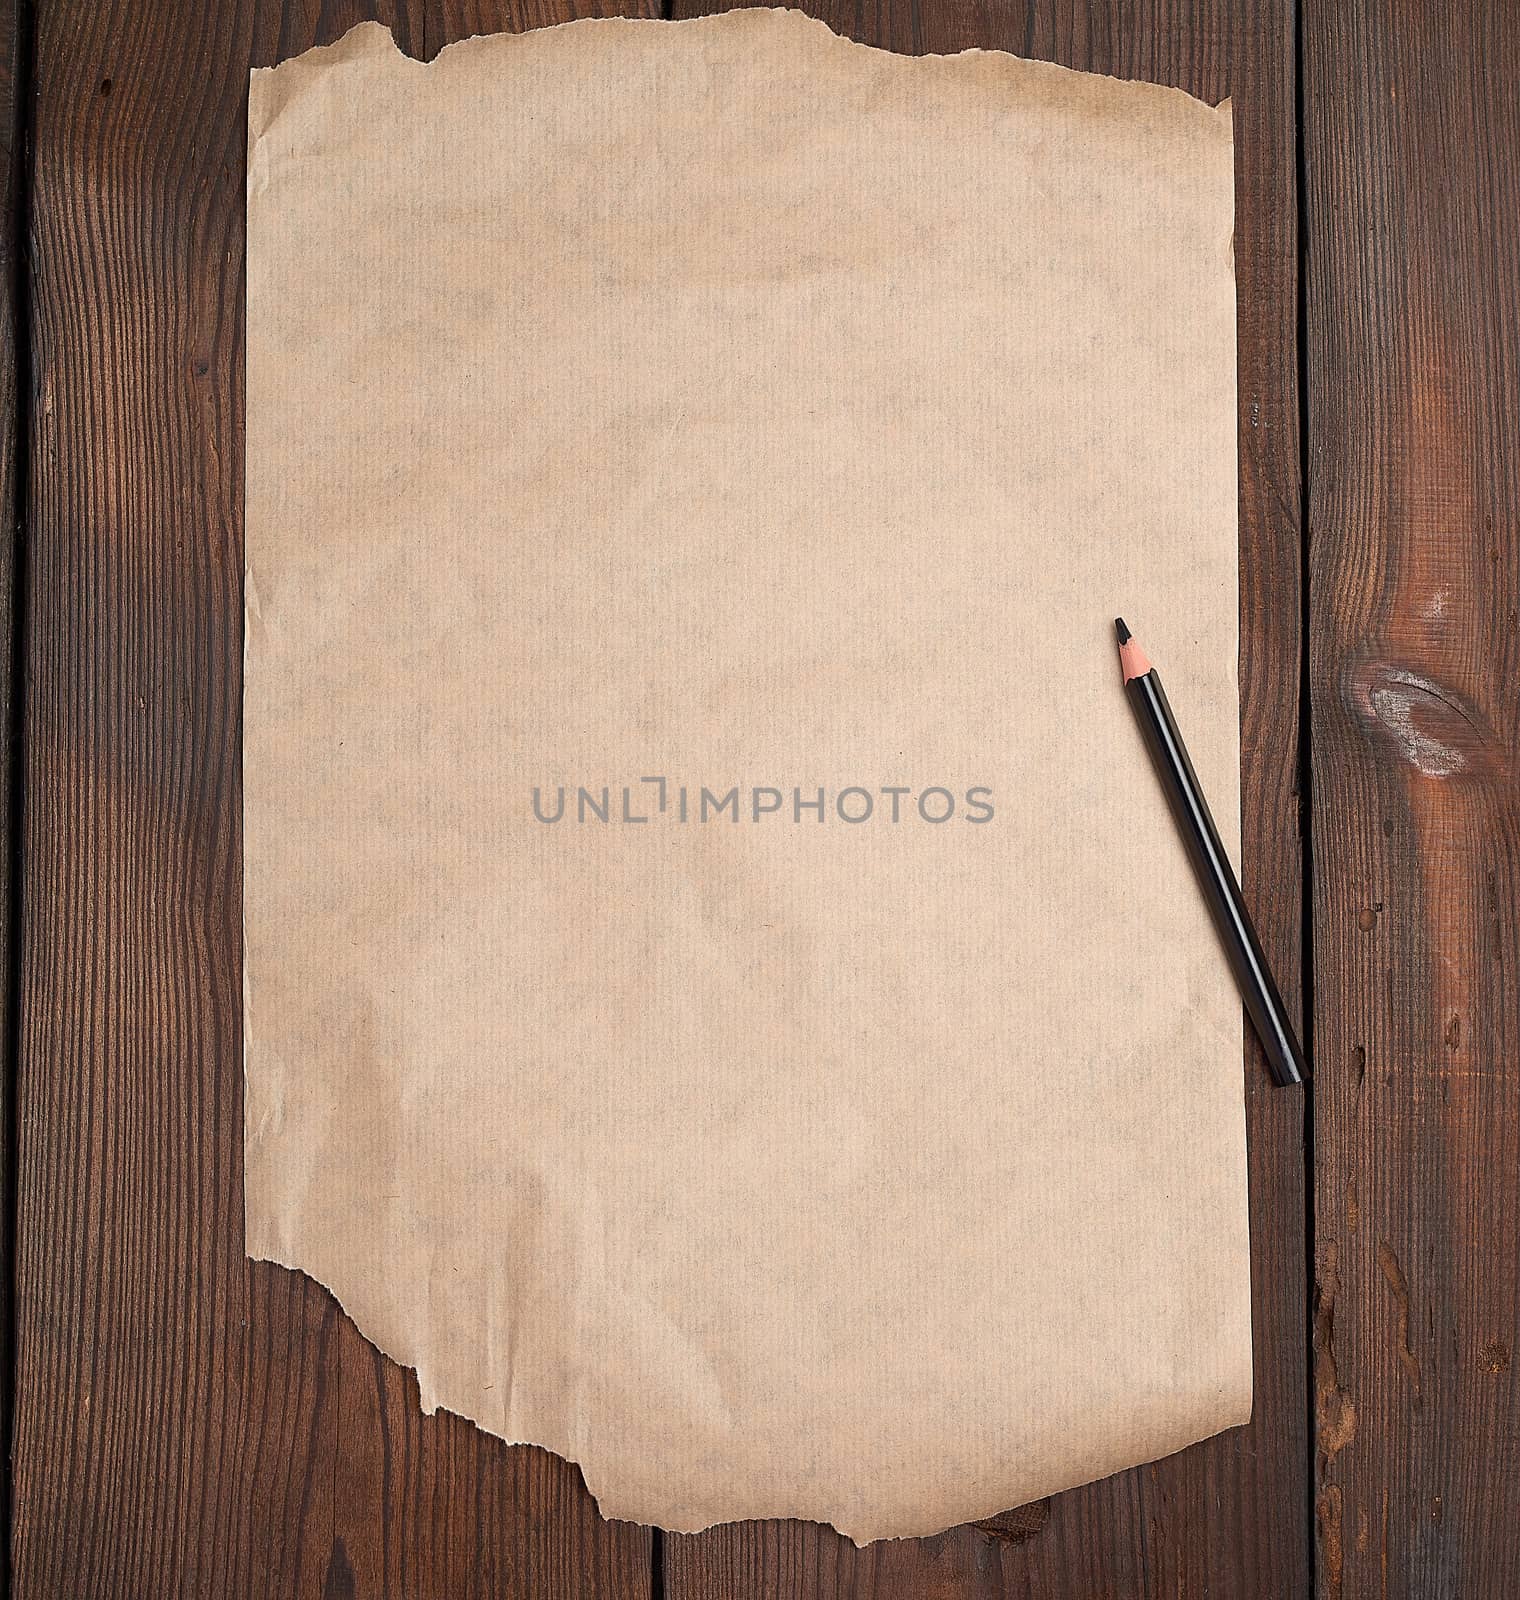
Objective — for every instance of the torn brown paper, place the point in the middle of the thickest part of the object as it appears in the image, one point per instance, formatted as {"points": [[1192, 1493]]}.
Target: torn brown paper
{"points": [[642, 412]]}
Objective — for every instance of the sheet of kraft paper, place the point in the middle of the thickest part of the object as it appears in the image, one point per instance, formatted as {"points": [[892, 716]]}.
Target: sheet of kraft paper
{"points": [[725, 1000]]}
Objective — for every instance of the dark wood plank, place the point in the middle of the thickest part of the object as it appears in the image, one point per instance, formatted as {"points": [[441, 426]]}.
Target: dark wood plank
{"points": [[13, 69], [1413, 124], [188, 1424], [1229, 1517]]}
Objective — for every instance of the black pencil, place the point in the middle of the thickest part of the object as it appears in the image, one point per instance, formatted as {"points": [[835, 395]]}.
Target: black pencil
{"points": [[1142, 683]]}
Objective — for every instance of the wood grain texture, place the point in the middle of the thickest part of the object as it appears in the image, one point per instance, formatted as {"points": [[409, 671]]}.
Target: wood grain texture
{"points": [[12, 630], [188, 1423], [1229, 1517], [1412, 129], [191, 1424]]}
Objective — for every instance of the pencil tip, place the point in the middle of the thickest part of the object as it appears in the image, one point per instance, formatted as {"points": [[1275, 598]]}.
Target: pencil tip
{"points": [[1132, 660]]}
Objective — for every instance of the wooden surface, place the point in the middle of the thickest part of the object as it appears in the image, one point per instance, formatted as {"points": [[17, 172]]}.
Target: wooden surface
{"points": [[1414, 363], [191, 1424], [12, 602], [1227, 1518], [188, 1424]]}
